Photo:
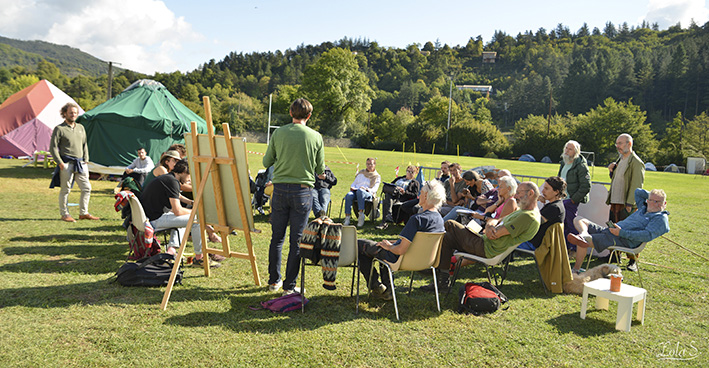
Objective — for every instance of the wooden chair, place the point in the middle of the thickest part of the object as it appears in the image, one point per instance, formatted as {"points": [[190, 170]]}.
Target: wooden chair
{"points": [[423, 253]]}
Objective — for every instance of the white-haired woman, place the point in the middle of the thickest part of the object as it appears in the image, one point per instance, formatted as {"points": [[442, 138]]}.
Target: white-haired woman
{"points": [[506, 202], [428, 220], [574, 170]]}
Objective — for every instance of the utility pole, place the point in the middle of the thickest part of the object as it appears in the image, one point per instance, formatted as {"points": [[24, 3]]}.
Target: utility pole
{"points": [[110, 78], [450, 105]]}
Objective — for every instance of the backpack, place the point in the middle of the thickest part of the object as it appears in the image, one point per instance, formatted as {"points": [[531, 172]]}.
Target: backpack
{"points": [[285, 303], [479, 298], [152, 271]]}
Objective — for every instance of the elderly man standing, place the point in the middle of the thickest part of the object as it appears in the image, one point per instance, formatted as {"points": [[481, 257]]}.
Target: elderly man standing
{"points": [[71, 152], [627, 175], [518, 227], [574, 170], [647, 223]]}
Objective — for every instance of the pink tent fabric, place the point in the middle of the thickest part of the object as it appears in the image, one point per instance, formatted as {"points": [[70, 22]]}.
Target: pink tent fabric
{"points": [[28, 117]]}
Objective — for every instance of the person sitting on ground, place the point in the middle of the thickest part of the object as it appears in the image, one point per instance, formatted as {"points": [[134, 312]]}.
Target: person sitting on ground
{"points": [[443, 174], [363, 188], [428, 220], [454, 187], [404, 188], [475, 184], [321, 191], [140, 167], [553, 211], [499, 235], [506, 203], [574, 170], [164, 192], [647, 223]]}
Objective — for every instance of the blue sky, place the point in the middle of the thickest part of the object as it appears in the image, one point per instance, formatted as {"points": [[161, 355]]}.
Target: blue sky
{"points": [[164, 36]]}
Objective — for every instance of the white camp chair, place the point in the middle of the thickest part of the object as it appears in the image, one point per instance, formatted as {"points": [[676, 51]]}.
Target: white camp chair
{"points": [[595, 210], [348, 258], [138, 218], [423, 253], [634, 251], [503, 258]]}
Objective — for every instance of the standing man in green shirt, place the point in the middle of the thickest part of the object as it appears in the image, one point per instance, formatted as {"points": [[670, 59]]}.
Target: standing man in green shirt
{"points": [[297, 155], [70, 151]]}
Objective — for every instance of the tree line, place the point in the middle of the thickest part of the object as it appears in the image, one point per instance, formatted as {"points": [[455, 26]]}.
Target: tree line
{"points": [[548, 86]]}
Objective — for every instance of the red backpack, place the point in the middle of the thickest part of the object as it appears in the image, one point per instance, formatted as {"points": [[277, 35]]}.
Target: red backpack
{"points": [[479, 298]]}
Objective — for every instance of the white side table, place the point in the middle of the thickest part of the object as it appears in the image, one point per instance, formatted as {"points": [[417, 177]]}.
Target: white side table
{"points": [[626, 297]]}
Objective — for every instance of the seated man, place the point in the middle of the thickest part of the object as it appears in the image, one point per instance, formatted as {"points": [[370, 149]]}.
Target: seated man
{"points": [[454, 186], [520, 226], [403, 188], [647, 223], [428, 220], [140, 167], [164, 192]]}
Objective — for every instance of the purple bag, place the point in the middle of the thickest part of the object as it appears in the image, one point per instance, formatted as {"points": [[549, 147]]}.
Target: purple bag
{"points": [[285, 303]]}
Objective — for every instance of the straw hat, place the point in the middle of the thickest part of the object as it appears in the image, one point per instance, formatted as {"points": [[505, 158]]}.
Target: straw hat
{"points": [[172, 153]]}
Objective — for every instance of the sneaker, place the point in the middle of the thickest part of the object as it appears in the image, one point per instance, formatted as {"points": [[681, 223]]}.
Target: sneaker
{"points": [[275, 287], [200, 263], [378, 289], [632, 266], [577, 272], [216, 257], [291, 291], [383, 226], [347, 221], [360, 220], [386, 295], [260, 211]]}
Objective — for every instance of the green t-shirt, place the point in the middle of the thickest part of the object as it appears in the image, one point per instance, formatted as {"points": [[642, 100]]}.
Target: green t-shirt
{"points": [[296, 153], [522, 226]]}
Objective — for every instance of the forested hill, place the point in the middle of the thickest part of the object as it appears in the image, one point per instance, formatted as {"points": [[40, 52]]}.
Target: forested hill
{"points": [[548, 86], [69, 60]]}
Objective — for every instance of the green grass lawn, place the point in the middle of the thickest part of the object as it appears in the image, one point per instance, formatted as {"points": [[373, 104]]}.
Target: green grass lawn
{"points": [[57, 307]]}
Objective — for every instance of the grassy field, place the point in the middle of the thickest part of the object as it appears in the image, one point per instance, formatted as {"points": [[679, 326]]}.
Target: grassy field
{"points": [[58, 309]]}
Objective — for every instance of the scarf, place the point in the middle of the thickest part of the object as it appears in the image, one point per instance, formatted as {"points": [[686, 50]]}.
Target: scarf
{"points": [[372, 176]]}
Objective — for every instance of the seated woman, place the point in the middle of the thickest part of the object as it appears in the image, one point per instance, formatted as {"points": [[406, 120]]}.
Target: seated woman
{"points": [[553, 211], [363, 188], [404, 188], [166, 164], [506, 202], [428, 220]]}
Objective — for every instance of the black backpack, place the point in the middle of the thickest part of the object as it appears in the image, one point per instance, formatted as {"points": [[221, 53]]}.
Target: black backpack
{"points": [[153, 271], [479, 298]]}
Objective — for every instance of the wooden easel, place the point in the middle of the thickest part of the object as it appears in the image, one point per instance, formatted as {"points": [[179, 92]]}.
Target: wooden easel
{"points": [[216, 208]]}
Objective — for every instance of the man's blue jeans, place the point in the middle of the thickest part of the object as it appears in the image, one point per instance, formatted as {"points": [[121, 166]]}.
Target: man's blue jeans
{"points": [[291, 203], [361, 195], [321, 200]]}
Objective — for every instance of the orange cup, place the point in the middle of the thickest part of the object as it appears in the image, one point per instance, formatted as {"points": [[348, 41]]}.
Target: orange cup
{"points": [[615, 282]]}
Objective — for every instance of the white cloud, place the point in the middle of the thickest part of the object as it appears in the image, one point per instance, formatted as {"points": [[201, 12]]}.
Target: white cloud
{"points": [[667, 13], [142, 35]]}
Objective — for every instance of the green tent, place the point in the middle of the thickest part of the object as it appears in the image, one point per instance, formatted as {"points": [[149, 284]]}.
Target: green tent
{"points": [[145, 115]]}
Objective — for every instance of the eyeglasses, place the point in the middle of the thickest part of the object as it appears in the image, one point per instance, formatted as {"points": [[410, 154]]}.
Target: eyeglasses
{"points": [[410, 171], [655, 201]]}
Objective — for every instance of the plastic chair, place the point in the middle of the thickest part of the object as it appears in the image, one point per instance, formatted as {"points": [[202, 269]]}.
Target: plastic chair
{"points": [[423, 253], [138, 218], [554, 238], [348, 258], [503, 258], [634, 251]]}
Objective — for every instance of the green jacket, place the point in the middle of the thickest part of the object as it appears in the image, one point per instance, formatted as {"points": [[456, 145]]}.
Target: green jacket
{"points": [[634, 178], [578, 180]]}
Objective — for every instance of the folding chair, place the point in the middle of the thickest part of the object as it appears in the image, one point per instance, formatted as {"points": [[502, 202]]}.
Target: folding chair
{"points": [[348, 258], [553, 241], [503, 257], [634, 251], [423, 253]]}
